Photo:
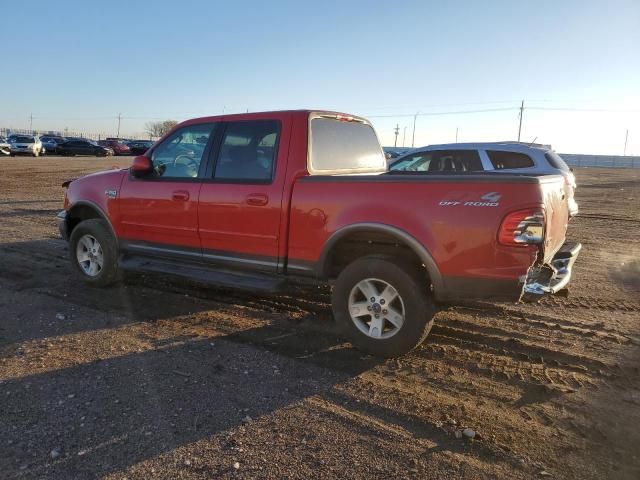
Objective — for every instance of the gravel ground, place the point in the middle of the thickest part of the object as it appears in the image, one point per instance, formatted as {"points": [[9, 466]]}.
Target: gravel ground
{"points": [[158, 378]]}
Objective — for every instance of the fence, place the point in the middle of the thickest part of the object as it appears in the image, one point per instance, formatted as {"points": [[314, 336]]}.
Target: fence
{"points": [[610, 161]]}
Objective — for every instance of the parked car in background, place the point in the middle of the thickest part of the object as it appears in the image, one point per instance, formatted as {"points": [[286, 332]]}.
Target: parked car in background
{"points": [[139, 147], [82, 147], [117, 146], [50, 143], [502, 157], [25, 145], [5, 148]]}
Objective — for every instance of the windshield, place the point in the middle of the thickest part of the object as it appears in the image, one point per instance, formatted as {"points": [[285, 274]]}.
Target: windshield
{"points": [[23, 139]]}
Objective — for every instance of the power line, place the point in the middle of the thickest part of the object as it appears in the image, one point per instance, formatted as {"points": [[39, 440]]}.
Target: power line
{"points": [[453, 112], [596, 110]]}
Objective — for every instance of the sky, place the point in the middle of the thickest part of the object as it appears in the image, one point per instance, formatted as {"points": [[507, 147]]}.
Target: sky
{"points": [[463, 66]]}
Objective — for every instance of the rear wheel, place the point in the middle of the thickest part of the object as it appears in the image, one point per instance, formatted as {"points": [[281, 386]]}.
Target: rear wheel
{"points": [[383, 304], [94, 253]]}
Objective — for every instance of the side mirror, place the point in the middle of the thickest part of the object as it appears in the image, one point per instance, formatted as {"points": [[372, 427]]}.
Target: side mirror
{"points": [[141, 166]]}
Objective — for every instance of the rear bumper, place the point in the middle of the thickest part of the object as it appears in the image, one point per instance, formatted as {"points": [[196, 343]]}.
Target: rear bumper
{"points": [[61, 218], [555, 276]]}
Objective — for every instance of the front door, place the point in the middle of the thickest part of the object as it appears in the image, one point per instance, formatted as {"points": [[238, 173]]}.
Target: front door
{"points": [[159, 212], [241, 201]]}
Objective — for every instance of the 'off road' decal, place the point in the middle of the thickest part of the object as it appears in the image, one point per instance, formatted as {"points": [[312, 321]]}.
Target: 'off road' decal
{"points": [[490, 199]]}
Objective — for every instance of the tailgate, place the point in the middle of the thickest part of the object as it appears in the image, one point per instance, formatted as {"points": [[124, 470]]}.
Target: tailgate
{"points": [[556, 206]]}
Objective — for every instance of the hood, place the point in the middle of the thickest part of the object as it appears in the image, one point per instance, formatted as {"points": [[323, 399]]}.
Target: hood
{"points": [[114, 175]]}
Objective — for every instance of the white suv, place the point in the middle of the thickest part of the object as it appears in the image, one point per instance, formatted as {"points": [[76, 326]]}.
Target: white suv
{"points": [[500, 157], [29, 144]]}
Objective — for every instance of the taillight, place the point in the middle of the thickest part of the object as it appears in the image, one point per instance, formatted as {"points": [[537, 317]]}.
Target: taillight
{"points": [[522, 227]]}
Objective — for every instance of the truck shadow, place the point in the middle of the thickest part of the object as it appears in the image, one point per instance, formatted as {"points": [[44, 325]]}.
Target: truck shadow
{"points": [[109, 414], [37, 285]]}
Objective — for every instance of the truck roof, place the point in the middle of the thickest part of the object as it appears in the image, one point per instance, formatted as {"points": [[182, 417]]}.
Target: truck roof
{"points": [[267, 114]]}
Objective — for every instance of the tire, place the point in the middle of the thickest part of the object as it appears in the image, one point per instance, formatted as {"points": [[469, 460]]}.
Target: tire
{"points": [[413, 301], [107, 247], [12, 154]]}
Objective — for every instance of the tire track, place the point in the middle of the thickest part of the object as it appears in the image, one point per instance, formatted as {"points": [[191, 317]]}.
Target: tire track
{"points": [[520, 350]]}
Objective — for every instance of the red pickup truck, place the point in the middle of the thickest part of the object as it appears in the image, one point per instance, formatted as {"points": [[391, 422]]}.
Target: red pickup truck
{"points": [[259, 200]]}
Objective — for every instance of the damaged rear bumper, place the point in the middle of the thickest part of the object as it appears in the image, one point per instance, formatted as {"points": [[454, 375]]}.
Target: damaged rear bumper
{"points": [[554, 276]]}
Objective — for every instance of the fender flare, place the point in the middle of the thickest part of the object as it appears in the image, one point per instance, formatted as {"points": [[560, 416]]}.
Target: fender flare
{"points": [[403, 237], [94, 206]]}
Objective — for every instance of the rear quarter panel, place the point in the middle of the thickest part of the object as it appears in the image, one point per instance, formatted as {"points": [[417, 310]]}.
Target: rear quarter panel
{"points": [[456, 220]]}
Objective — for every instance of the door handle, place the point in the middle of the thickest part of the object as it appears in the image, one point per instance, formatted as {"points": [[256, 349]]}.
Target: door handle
{"points": [[180, 195], [257, 199]]}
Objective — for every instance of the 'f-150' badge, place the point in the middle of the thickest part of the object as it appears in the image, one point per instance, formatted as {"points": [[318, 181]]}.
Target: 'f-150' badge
{"points": [[111, 193], [490, 199]]}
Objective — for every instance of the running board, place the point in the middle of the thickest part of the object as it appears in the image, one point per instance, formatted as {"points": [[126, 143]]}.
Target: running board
{"points": [[211, 276]]}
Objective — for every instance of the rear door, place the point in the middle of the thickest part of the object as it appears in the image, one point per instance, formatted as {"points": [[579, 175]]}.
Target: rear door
{"points": [[241, 199], [85, 148], [159, 212]]}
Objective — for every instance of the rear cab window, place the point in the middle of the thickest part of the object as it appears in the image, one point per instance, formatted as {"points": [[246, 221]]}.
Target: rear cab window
{"points": [[502, 160], [340, 144]]}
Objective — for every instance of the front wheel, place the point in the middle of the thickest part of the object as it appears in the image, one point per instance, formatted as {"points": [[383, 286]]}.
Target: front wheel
{"points": [[94, 253], [384, 305]]}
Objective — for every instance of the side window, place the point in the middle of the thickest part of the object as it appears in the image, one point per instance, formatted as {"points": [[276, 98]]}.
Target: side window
{"points": [[507, 160], [180, 155], [441, 161], [414, 163], [455, 161], [248, 151]]}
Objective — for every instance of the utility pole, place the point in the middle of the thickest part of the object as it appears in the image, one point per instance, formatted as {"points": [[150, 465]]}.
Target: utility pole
{"points": [[456, 134], [626, 137], [119, 117], [396, 131], [520, 125], [31, 122], [413, 137], [404, 135]]}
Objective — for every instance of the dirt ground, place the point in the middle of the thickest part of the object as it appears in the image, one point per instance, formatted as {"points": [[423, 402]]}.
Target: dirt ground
{"points": [[158, 378]]}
